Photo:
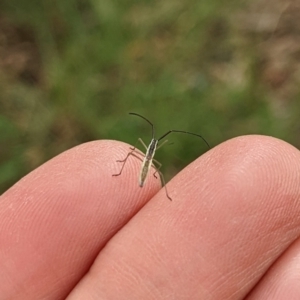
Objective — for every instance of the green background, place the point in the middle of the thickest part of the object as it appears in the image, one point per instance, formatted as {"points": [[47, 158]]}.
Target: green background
{"points": [[70, 71]]}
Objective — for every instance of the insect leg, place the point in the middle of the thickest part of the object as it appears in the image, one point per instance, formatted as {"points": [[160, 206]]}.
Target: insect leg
{"points": [[164, 142], [155, 167], [161, 176], [133, 153], [142, 142], [164, 183]]}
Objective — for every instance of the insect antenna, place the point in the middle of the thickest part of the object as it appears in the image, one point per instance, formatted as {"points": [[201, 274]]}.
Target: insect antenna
{"points": [[152, 126], [180, 131]]}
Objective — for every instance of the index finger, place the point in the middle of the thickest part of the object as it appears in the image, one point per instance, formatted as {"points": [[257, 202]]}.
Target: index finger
{"points": [[56, 219]]}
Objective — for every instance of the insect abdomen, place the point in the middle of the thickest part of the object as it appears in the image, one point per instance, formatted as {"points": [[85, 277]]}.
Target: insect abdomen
{"points": [[144, 172]]}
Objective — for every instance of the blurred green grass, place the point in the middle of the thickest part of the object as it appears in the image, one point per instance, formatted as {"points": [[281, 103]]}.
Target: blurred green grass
{"points": [[70, 71]]}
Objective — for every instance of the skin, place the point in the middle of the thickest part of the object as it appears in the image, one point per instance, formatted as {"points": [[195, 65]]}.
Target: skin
{"points": [[69, 230]]}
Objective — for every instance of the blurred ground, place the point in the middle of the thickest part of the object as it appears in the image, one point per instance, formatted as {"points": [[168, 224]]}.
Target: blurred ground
{"points": [[71, 71]]}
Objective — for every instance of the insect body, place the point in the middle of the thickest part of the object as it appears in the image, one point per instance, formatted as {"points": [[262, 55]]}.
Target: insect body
{"points": [[148, 159], [147, 162]]}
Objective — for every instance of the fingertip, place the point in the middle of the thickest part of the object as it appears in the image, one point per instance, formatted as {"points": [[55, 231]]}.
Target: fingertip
{"points": [[243, 159], [64, 212]]}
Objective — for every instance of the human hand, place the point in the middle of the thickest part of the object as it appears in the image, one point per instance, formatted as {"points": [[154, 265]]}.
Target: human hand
{"points": [[69, 230]]}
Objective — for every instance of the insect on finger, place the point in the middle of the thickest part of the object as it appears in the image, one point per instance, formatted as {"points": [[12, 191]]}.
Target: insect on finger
{"points": [[148, 158]]}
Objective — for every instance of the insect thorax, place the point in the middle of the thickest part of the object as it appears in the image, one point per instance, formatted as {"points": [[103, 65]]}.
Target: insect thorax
{"points": [[151, 149]]}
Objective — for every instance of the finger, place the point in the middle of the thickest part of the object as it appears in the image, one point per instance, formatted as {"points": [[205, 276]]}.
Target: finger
{"points": [[282, 280], [56, 219], [234, 211]]}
